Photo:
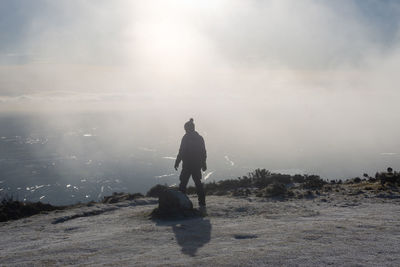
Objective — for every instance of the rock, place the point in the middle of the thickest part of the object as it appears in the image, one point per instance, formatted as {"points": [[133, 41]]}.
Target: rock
{"points": [[119, 197], [156, 190], [13, 210], [171, 199], [173, 204]]}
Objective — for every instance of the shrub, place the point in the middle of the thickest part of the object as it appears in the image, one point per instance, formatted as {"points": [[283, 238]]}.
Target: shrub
{"points": [[191, 190], [313, 182], [290, 193], [276, 189], [298, 178], [389, 176], [261, 178], [328, 188], [241, 192], [281, 178], [260, 174]]}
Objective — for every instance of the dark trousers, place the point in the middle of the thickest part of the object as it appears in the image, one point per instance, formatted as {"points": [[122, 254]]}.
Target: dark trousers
{"points": [[196, 175]]}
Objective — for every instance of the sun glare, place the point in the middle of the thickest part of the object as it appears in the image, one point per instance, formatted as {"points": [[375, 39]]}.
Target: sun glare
{"points": [[169, 47]]}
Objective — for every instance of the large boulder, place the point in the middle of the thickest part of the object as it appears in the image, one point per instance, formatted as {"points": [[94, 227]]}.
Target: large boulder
{"points": [[173, 204], [156, 190]]}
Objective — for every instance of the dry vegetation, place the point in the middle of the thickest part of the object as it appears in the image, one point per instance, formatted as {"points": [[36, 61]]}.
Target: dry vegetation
{"points": [[260, 183]]}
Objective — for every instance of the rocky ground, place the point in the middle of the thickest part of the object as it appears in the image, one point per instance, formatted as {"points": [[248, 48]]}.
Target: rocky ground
{"points": [[342, 224]]}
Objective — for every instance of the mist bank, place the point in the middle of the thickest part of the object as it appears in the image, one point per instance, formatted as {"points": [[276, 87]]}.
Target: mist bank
{"points": [[88, 155]]}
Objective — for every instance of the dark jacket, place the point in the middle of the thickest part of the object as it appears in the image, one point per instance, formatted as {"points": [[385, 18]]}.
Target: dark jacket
{"points": [[192, 151]]}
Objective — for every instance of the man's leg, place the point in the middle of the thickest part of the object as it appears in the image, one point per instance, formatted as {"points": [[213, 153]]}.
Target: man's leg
{"points": [[184, 178], [199, 187]]}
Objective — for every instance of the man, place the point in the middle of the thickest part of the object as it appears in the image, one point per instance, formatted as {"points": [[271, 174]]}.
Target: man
{"points": [[192, 153]]}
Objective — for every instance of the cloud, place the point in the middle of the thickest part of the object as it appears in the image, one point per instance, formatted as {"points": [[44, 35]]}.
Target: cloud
{"points": [[184, 50], [300, 34]]}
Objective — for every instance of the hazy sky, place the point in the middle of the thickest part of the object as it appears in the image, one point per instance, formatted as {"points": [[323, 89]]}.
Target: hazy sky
{"points": [[321, 77], [145, 51]]}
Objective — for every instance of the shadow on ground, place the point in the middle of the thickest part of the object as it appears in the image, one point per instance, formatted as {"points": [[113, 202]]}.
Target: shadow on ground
{"points": [[190, 234]]}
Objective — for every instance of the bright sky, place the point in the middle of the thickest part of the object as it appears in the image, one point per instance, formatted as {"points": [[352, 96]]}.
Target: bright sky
{"points": [[54, 50]]}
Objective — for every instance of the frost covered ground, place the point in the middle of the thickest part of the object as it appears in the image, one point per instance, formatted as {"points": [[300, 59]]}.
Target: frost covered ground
{"points": [[337, 229]]}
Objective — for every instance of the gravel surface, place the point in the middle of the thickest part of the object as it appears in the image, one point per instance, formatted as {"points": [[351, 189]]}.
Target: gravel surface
{"points": [[334, 229]]}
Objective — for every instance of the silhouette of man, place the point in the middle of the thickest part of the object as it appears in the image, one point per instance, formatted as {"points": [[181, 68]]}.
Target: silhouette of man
{"points": [[192, 153]]}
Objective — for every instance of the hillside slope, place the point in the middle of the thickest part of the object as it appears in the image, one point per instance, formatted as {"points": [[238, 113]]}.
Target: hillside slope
{"points": [[338, 230]]}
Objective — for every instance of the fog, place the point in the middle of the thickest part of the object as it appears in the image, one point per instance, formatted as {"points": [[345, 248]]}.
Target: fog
{"points": [[308, 86]]}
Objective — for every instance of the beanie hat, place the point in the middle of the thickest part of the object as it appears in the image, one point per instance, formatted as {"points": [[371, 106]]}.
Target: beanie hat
{"points": [[189, 126]]}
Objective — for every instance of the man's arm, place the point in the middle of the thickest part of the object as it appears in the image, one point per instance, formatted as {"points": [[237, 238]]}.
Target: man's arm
{"points": [[204, 155], [177, 161], [179, 156]]}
